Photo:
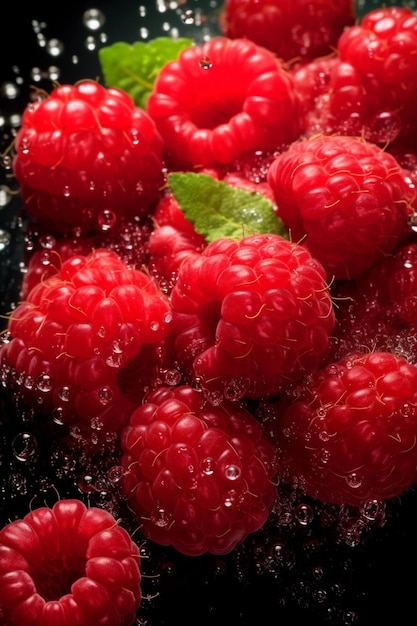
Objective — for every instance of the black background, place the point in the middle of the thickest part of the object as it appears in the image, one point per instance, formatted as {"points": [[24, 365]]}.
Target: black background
{"points": [[374, 582]]}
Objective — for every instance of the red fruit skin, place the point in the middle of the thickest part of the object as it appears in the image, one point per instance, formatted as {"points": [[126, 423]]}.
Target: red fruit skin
{"points": [[69, 563], [68, 342], [349, 431], [250, 316], [198, 477], [220, 101], [295, 30], [85, 155], [345, 199], [378, 309], [372, 87]]}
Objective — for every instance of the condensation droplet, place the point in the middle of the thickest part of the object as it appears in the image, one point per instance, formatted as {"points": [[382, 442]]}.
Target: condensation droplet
{"points": [[232, 472], [207, 466]]}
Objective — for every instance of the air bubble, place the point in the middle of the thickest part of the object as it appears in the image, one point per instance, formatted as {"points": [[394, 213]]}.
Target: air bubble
{"points": [[55, 47], [207, 466], [107, 220]]}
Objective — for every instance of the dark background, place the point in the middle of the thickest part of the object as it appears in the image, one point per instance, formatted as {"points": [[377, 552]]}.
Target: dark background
{"points": [[330, 584]]}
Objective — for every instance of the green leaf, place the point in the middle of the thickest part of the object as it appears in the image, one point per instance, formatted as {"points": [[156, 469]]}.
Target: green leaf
{"points": [[217, 209], [134, 67]]}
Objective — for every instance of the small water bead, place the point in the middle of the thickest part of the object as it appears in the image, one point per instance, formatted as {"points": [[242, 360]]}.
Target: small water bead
{"points": [[373, 509], [205, 63], [5, 239], [115, 474], [304, 514], [160, 517], [107, 220], [86, 483], [96, 423], [354, 480], [24, 446], [55, 47], [44, 383], [91, 43], [18, 483], [207, 466], [105, 395], [188, 17], [94, 19], [144, 33], [232, 472]]}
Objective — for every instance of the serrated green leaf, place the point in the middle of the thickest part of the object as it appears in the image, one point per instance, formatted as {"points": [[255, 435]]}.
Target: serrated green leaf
{"points": [[217, 209], [134, 67]]}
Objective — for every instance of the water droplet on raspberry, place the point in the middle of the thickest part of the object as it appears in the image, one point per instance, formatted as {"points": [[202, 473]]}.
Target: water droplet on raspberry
{"points": [[47, 241], [205, 63], [160, 517], [354, 480], [44, 383], [232, 472], [86, 483], [105, 395], [207, 466]]}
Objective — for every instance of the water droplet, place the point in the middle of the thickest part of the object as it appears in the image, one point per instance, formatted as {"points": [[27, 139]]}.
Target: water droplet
{"points": [[207, 465], [55, 47], [93, 19], [44, 383], [160, 518], [5, 239], [354, 480], [107, 220], [205, 63], [115, 474], [24, 446], [304, 514], [232, 472], [105, 395]]}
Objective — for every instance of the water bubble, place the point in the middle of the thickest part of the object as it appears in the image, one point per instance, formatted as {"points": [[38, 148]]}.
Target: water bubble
{"points": [[5, 239], [55, 47], [373, 509], [115, 474], [160, 517], [44, 383], [105, 395], [232, 472], [354, 480], [93, 19], [304, 514], [188, 17], [205, 63], [207, 466], [24, 446], [107, 220]]}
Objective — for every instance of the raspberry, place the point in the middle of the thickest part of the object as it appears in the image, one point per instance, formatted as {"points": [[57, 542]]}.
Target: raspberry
{"points": [[345, 199], [378, 309], [250, 316], [129, 239], [74, 334], [221, 100], [295, 30], [68, 565], [86, 156], [198, 477], [372, 87], [349, 430]]}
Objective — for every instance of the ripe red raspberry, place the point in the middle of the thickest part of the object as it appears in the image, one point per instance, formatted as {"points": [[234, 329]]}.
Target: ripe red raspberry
{"points": [[86, 155], [250, 316], [293, 29], [349, 431], [68, 565], [198, 477], [221, 100], [373, 86], [73, 335], [129, 239], [347, 201], [378, 309]]}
